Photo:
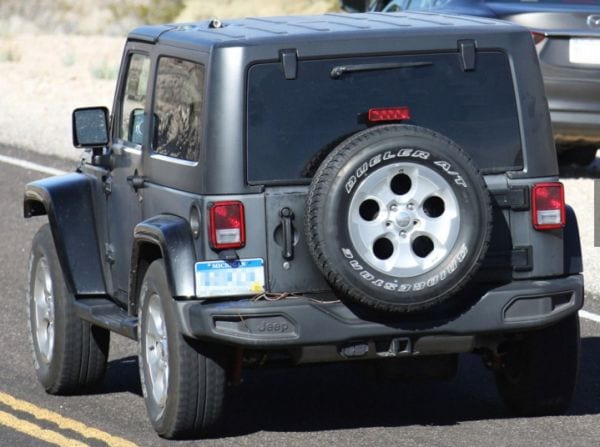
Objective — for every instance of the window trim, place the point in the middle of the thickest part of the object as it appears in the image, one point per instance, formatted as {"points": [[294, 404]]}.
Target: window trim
{"points": [[119, 98]]}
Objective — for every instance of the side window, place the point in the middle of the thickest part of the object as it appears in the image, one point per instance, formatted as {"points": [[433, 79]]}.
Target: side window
{"points": [[133, 101], [178, 108]]}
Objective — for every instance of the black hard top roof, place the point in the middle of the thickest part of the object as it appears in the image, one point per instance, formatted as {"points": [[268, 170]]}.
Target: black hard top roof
{"points": [[252, 30]]}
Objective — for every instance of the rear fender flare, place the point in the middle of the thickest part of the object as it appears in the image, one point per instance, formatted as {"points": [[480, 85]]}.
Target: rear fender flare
{"points": [[573, 263], [168, 237]]}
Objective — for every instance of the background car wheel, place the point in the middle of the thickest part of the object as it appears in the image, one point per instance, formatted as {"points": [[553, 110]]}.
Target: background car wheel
{"points": [[69, 354], [183, 381], [398, 218], [581, 155], [539, 371]]}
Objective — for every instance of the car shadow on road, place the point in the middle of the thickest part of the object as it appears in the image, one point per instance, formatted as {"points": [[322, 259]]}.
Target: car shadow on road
{"points": [[347, 396], [121, 376], [344, 396]]}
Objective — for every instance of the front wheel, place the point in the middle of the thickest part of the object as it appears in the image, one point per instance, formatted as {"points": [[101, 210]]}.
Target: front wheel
{"points": [[69, 354], [183, 380], [539, 371]]}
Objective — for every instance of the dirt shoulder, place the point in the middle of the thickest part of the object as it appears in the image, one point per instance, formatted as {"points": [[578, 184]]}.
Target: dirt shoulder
{"points": [[44, 77]]}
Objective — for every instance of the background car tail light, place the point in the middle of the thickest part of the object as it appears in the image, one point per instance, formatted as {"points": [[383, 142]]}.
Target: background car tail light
{"points": [[227, 228], [389, 114], [537, 37], [548, 206]]}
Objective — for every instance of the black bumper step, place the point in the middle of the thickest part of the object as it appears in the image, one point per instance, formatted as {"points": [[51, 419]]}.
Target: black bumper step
{"points": [[104, 313]]}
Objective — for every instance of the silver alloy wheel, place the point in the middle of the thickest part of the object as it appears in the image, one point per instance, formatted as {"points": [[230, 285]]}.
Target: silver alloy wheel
{"points": [[157, 350], [43, 310], [404, 219]]}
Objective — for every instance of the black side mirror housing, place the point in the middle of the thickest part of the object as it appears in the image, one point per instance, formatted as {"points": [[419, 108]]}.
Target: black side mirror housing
{"points": [[90, 127], [354, 5]]}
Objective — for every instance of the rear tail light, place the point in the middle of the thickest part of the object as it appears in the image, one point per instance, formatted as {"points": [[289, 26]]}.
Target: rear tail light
{"points": [[227, 228], [389, 114], [548, 206], [537, 37]]}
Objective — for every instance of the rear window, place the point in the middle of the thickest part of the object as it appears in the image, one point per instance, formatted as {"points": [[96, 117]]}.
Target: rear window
{"points": [[293, 124]]}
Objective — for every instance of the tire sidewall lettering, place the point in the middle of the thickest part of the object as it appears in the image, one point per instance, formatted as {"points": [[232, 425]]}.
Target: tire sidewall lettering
{"points": [[385, 157], [394, 285]]}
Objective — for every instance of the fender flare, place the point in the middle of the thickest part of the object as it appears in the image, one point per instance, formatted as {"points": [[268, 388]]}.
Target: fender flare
{"points": [[68, 201], [172, 236], [573, 263]]}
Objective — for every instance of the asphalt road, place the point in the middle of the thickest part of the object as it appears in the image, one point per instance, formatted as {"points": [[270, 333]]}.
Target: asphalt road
{"points": [[337, 405]]}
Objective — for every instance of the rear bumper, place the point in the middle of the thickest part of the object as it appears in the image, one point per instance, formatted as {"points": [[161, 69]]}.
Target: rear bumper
{"points": [[300, 321]]}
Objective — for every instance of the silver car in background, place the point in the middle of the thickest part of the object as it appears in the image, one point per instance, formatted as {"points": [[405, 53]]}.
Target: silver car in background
{"points": [[567, 37]]}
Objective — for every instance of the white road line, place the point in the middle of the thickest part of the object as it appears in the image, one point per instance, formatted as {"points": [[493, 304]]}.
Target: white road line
{"points": [[29, 165], [589, 316]]}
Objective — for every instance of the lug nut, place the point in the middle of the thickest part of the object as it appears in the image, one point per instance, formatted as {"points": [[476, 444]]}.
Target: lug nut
{"points": [[403, 233]]}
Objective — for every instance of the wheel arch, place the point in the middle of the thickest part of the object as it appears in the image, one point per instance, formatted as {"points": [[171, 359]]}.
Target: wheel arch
{"points": [[169, 238], [68, 201], [573, 262]]}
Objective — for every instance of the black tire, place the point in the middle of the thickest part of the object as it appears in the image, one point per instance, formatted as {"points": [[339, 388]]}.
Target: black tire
{"points": [[191, 404], [340, 194], [539, 371], [574, 154], [69, 354]]}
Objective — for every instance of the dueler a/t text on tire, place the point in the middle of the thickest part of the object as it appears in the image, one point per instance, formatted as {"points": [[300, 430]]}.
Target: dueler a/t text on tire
{"points": [[398, 218]]}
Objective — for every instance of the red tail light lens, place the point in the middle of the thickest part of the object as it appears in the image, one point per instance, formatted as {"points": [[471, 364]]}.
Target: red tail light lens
{"points": [[537, 37], [389, 114], [227, 228], [548, 206]]}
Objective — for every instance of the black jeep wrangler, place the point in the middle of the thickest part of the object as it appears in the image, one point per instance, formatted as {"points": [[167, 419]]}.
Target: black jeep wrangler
{"points": [[311, 189]]}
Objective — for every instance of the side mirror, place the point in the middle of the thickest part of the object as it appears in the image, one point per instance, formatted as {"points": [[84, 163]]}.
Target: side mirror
{"points": [[354, 5], [90, 127]]}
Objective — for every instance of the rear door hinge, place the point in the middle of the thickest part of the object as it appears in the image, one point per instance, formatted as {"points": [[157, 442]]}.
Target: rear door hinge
{"points": [[467, 50], [289, 60], [109, 253], [108, 186], [515, 198]]}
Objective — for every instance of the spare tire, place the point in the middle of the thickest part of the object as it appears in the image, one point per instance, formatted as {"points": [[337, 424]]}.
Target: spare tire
{"points": [[398, 218]]}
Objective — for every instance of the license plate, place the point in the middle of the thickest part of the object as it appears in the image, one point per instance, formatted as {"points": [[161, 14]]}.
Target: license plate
{"points": [[221, 278], [584, 51]]}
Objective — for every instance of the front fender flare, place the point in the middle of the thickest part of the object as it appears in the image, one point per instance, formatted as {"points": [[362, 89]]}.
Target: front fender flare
{"points": [[68, 202]]}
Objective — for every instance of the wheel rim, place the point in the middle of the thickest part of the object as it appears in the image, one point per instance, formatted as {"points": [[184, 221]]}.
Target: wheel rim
{"points": [[404, 219], [157, 351], [43, 301]]}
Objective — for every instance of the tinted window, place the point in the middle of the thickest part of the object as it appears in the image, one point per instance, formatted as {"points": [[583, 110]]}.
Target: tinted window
{"points": [[131, 127], [178, 108], [293, 124]]}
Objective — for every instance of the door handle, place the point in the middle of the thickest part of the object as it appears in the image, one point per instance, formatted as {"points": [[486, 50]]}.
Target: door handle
{"points": [[136, 181], [287, 215]]}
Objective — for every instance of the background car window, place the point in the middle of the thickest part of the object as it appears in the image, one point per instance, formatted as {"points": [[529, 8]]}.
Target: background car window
{"points": [[178, 108], [131, 126]]}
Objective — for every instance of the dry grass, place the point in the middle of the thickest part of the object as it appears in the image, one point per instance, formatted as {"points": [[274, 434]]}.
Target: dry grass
{"points": [[116, 17], [55, 55]]}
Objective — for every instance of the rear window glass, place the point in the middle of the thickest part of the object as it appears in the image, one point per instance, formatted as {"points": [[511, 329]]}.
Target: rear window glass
{"points": [[293, 124]]}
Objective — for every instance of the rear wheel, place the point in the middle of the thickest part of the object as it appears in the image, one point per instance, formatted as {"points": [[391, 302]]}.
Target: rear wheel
{"points": [[539, 371], [69, 354], [183, 380]]}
